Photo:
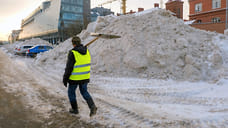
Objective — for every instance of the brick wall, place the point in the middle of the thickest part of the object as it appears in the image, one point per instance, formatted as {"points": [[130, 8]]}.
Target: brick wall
{"points": [[218, 27], [206, 5], [175, 7], [206, 15]]}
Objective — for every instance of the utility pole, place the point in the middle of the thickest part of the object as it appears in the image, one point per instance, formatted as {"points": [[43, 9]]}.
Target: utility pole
{"points": [[124, 6], [161, 4]]}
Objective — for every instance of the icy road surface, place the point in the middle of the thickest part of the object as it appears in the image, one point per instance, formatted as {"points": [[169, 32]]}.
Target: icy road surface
{"points": [[121, 102], [26, 103], [146, 103]]}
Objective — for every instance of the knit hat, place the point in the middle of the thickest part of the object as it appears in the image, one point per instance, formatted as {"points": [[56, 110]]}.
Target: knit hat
{"points": [[76, 40]]}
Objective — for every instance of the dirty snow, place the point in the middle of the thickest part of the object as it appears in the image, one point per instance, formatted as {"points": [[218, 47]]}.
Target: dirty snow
{"points": [[189, 22], [124, 101], [34, 41], [153, 45], [143, 78]]}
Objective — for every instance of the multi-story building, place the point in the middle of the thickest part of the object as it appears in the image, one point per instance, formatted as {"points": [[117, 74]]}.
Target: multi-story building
{"points": [[100, 11], [175, 6], [50, 19], [208, 14], [14, 36], [131, 12]]}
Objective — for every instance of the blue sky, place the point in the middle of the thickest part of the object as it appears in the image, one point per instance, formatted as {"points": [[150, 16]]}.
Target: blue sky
{"points": [[13, 11]]}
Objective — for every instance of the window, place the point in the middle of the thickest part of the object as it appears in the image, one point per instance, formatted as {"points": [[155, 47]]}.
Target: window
{"points": [[48, 47], [27, 46], [178, 12], [71, 16], [199, 21], [198, 7], [216, 4], [215, 20], [41, 47], [72, 8], [78, 2]]}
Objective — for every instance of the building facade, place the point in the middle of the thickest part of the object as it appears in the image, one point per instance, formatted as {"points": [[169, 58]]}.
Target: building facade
{"points": [[100, 11], [14, 36], [208, 14], [175, 6], [50, 20]]}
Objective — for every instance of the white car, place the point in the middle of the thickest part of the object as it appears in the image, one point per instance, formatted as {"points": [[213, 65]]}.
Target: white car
{"points": [[21, 50]]}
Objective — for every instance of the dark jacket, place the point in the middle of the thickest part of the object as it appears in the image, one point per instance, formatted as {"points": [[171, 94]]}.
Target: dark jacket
{"points": [[70, 65]]}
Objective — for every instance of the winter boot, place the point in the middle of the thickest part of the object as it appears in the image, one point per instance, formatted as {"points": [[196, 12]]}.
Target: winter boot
{"points": [[74, 108], [73, 111], [93, 111], [92, 106]]}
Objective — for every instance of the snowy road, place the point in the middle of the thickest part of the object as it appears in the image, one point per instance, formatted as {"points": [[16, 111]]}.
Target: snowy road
{"points": [[28, 100], [122, 102], [158, 103]]}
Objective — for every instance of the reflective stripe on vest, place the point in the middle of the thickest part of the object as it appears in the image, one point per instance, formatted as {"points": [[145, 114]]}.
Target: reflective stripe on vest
{"points": [[81, 69]]}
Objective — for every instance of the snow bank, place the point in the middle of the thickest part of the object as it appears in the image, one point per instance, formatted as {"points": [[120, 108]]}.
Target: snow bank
{"points": [[33, 41], [55, 58], [189, 22], [145, 12], [153, 45]]}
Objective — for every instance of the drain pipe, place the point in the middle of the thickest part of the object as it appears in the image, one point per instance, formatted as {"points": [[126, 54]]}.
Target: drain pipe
{"points": [[226, 13]]}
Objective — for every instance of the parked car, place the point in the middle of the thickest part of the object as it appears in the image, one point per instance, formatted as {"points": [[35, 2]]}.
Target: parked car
{"points": [[32, 52], [21, 50]]}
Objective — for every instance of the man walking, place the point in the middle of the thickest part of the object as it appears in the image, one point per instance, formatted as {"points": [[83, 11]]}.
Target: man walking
{"points": [[77, 73]]}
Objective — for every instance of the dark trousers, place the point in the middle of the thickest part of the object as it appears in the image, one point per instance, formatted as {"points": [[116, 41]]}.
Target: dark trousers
{"points": [[84, 93]]}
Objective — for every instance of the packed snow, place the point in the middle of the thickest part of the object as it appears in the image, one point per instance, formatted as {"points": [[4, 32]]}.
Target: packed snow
{"points": [[143, 79], [34, 41], [153, 45]]}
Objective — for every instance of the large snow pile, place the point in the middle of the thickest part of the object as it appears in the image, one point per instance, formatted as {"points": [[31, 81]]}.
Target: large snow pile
{"points": [[55, 58], [153, 45]]}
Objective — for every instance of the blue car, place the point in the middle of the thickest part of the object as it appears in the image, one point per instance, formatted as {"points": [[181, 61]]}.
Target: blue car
{"points": [[32, 52]]}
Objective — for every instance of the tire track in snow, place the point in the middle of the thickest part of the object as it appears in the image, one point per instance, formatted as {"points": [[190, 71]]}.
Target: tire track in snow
{"points": [[125, 115], [47, 105], [153, 96], [158, 96]]}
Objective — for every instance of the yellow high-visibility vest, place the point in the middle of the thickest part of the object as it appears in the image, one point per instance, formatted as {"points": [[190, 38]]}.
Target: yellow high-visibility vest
{"points": [[81, 69]]}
